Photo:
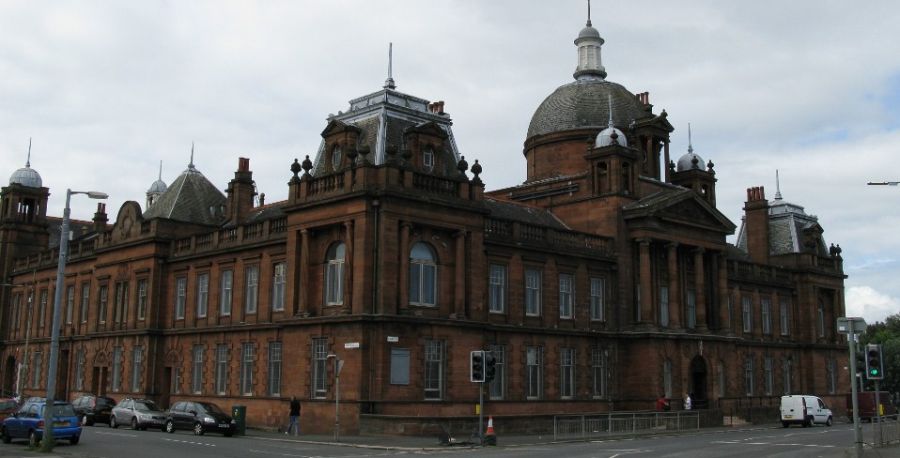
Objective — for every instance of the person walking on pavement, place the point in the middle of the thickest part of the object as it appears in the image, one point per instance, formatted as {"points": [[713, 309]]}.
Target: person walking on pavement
{"points": [[687, 401], [294, 424]]}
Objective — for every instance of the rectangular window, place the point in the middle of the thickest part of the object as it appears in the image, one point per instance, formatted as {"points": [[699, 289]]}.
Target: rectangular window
{"points": [[497, 387], [248, 354], [176, 380], [785, 315], [566, 293], [747, 313], [225, 286], [765, 305], [820, 320], [70, 303], [274, 369], [769, 375], [497, 298], [399, 366], [180, 297], [16, 310], [598, 373], [36, 369], [202, 294], [278, 287], [80, 362], [748, 377], [691, 310], [434, 369], [831, 375], [85, 297], [197, 371], [142, 299], [533, 280], [720, 379], [534, 372], [221, 369], [320, 367], [137, 365], [598, 304], [42, 310], [567, 373], [786, 374], [667, 378], [120, 315], [102, 301], [664, 305], [251, 288], [117, 369]]}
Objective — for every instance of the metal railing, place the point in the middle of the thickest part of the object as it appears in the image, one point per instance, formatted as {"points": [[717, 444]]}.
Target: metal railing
{"points": [[622, 424], [882, 434]]}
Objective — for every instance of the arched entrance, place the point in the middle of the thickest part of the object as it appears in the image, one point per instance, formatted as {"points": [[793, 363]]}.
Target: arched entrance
{"points": [[698, 382]]}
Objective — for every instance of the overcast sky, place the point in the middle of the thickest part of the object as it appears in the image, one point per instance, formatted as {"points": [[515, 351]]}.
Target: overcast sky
{"points": [[811, 88]]}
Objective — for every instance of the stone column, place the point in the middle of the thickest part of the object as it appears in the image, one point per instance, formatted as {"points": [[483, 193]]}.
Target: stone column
{"points": [[348, 266], [724, 321], [302, 287], [666, 165], [459, 290], [700, 285], [674, 290], [646, 303], [403, 276]]}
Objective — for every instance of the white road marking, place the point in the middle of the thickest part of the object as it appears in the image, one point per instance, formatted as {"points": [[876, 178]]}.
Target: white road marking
{"points": [[116, 434], [772, 443], [190, 442]]}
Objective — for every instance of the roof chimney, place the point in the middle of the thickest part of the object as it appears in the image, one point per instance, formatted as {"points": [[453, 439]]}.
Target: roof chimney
{"points": [[100, 218], [241, 191], [756, 210]]}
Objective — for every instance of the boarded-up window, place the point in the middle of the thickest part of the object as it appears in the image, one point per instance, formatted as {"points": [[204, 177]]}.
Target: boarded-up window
{"points": [[399, 366]]}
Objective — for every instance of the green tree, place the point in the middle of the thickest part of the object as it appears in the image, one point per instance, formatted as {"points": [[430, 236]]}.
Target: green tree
{"points": [[886, 333]]}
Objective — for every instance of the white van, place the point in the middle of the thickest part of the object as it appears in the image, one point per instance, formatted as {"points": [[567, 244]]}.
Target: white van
{"points": [[804, 410]]}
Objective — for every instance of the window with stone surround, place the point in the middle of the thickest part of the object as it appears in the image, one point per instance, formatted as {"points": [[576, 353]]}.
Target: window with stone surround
{"points": [[434, 369], [180, 297], [598, 298], [274, 379], [221, 369], [202, 294], [497, 290], [334, 274], [251, 288], [422, 275], [534, 372], [319, 367], [567, 373], [278, 278], [533, 282], [566, 295], [599, 372], [225, 292]]}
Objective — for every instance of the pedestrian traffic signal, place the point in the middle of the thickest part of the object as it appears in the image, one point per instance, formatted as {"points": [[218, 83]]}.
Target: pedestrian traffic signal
{"points": [[860, 363], [874, 364], [476, 359], [489, 367]]}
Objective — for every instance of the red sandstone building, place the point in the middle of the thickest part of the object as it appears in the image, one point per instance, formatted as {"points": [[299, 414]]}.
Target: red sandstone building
{"points": [[601, 282]]}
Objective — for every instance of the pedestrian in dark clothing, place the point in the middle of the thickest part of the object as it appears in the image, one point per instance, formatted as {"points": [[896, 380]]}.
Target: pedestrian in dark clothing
{"points": [[294, 424]]}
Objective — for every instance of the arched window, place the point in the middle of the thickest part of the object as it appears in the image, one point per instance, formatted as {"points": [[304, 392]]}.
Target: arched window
{"points": [[626, 178], [602, 177], [422, 275], [336, 157], [334, 274]]}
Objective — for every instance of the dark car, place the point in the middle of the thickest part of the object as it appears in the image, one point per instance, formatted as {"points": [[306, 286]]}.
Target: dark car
{"points": [[28, 423], [138, 413], [199, 417], [93, 409]]}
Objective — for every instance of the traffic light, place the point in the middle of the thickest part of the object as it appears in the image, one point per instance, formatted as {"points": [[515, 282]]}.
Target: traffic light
{"points": [[860, 363], [489, 367], [476, 359], [874, 364]]}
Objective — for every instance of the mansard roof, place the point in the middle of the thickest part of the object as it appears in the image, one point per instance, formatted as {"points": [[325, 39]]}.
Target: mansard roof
{"points": [[788, 223]]}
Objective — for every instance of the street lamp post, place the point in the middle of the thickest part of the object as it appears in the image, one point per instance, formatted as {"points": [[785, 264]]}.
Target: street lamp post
{"points": [[47, 441], [338, 365]]}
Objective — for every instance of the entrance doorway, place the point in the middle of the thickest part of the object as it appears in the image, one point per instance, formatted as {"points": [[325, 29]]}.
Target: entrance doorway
{"points": [[698, 382], [98, 381], [9, 374]]}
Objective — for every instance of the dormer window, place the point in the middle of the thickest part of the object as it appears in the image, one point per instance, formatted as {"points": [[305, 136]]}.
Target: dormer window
{"points": [[336, 157], [428, 159]]}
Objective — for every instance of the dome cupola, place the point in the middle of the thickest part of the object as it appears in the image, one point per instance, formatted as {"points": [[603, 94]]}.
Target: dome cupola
{"points": [[690, 160], [27, 176], [610, 135], [590, 65]]}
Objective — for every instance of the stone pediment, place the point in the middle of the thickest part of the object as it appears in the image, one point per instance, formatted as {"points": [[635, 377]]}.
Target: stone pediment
{"points": [[128, 222], [336, 127], [681, 207], [427, 128]]}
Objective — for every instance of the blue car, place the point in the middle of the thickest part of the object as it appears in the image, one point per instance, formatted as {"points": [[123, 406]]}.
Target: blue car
{"points": [[28, 423]]}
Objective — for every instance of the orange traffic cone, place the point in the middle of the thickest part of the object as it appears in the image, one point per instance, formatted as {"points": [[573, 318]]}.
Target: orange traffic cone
{"points": [[490, 438]]}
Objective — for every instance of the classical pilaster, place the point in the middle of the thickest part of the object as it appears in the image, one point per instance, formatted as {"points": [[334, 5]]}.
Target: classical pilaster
{"points": [[303, 277], [674, 290], [646, 303], [404, 266], [700, 285], [459, 291], [348, 267]]}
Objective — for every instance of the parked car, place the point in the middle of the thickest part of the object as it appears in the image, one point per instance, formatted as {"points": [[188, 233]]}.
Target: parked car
{"points": [[8, 406], [28, 423], [139, 413], [200, 417], [804, 410], [93, 409]]}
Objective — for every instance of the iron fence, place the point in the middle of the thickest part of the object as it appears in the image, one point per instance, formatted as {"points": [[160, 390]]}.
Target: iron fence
{"points": [[623, 424], [884, 433]]}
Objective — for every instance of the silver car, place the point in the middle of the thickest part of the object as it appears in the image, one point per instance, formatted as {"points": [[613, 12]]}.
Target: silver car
{"points": [[138, 413]]}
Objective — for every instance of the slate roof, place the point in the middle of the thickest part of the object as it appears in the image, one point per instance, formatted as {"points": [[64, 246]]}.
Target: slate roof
{"points": [[787, 222], [78, 228], [269, 211], [585, 104], [191, 199], [523, 214]]}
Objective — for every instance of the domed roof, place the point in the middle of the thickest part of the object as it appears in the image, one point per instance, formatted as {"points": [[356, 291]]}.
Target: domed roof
{"points": [[610, 136], [26, 176], [158, 186], [583, 104], [689, 161], [589, 32]]}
